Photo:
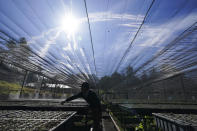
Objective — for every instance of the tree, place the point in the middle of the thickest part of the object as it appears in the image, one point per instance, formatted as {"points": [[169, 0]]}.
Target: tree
{"points": [[22, 41], [129, 72], [144, 77], [153, 74], [104, 83], [116, 78], [11, 44], [31, 78], [130, 78]]}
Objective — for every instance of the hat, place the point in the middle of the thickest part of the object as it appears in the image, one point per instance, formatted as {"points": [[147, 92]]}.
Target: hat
{"points": [[85, 84]]}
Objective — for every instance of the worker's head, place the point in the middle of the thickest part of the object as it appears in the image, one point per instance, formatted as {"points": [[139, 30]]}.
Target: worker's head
{"points": [[84, 87]]}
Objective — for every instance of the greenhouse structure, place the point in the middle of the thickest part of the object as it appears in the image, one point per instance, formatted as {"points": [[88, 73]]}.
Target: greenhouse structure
{"points": [[98, 65]]}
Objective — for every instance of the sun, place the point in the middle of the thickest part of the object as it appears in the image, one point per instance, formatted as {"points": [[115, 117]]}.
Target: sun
{"points": [[69, 24]]}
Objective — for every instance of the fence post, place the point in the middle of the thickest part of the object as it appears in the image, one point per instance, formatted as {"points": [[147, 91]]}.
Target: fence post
{"points": [[164, 90], [25, 77]]}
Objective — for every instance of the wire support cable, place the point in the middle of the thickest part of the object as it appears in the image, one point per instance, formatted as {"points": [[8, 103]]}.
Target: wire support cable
{"points": [[127, 50], [90, 33]]}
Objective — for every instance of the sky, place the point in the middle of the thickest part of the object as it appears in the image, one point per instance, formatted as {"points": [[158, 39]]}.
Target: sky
{"points": [[124, 32]]}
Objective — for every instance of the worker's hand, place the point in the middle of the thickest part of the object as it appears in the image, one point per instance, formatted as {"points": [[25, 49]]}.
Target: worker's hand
{"points": [[62, 102]]}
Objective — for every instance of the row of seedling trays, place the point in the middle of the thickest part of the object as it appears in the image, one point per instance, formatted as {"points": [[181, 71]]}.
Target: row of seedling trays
{"points": [[11, 120], [131, 121], [176, 122]]}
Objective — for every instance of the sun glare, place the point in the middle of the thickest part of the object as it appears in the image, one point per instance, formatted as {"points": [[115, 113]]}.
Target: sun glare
{"points": [[70, 24]]}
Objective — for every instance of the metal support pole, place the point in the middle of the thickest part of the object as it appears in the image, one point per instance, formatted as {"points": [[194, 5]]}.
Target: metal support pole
{"points": [[164, 91], [98, 90], [177, 128], [127, 95], [55, 89], [25, 77], [183, 88], [160, 123], [170, 126], [167, 127], [163, 125], [41, 85], [51, 88], [63, 89]]}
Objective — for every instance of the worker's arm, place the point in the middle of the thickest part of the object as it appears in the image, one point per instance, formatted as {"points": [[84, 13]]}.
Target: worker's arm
{"points": [[72, 98]]}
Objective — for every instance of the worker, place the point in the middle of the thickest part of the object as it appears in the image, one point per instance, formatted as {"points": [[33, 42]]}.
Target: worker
{"points": [[94, 104]]}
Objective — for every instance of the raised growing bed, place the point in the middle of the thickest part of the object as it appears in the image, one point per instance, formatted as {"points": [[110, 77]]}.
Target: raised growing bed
{"points": [[129, 120], [32, 120], [176, 122]]}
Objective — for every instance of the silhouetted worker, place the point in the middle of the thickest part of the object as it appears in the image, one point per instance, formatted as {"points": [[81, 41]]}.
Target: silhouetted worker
{"points": [[94, 104]]}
